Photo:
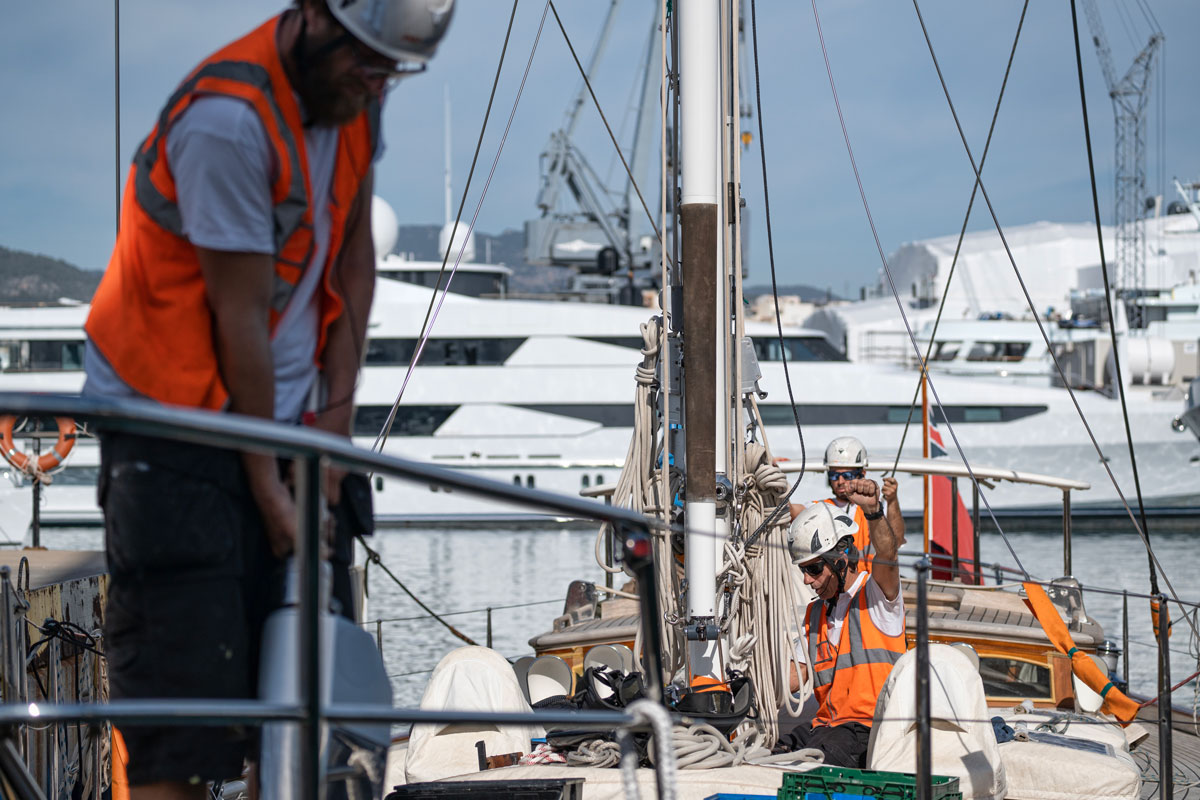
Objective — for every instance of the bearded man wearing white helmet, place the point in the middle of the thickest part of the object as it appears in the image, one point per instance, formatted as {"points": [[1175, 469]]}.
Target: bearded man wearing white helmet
{"points": [[846, 462], [241, 280], [853, 630]]}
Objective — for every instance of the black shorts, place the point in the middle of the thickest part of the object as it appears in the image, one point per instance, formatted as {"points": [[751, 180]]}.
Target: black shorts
{"points": [[844, 745], [191, 582]]}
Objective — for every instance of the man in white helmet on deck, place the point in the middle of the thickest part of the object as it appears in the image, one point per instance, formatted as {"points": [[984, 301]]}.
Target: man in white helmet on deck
{"points": [[845, 462], [241, 280], [853, 630]]}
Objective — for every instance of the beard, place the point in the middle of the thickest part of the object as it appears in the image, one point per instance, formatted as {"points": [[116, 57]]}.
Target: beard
{"points": [[330, 101]]}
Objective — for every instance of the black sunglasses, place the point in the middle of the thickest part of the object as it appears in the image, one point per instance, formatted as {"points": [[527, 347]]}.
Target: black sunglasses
{"points": [[814, 569], [849, 474]]}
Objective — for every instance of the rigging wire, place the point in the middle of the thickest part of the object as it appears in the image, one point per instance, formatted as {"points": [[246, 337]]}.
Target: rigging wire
{"points": [[1112, 327], [607, 127], [1029, 301], [431, 312], [892, 283], [373, 557], [961, 235], [787, 376]]}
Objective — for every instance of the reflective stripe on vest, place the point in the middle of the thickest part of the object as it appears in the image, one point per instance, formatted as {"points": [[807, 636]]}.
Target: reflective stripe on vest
{"points": [[852, 669], [288, 214]]}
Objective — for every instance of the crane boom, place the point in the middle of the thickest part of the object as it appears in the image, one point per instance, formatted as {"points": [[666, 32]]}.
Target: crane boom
{"points": [[1129, 95]]}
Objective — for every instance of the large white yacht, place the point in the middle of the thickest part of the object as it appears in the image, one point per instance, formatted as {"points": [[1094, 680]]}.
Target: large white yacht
{"points": [[541, 393]]}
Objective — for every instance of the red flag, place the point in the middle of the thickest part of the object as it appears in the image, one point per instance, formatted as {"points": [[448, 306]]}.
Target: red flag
{"points": [[941, 522]]}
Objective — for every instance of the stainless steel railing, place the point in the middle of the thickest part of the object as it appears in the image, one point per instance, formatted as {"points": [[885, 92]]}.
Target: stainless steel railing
{"points": [[311, 450]]}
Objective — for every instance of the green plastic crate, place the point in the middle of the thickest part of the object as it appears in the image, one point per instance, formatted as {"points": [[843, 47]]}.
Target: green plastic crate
{"points": [[844, 783]]}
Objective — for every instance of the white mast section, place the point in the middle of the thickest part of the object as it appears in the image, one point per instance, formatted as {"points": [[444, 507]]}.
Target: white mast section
{"points": [[699, 69]]}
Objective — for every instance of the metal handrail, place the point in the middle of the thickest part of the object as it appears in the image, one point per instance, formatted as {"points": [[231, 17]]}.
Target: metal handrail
{"points": [[234, 431], [312, 449]]}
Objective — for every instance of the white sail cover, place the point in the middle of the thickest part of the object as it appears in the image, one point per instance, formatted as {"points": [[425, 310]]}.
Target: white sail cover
{"points": [[467, 679], [963, 744], [1083, 761]]}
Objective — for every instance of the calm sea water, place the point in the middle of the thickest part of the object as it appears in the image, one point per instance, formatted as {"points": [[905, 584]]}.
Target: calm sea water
{"points": [[523, 576]]}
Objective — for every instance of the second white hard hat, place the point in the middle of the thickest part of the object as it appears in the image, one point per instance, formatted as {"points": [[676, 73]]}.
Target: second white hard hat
{"points": [[817, 530], [403, 30]]}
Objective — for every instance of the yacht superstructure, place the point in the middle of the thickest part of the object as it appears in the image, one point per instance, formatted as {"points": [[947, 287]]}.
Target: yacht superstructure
{"points": [[540, 393]]}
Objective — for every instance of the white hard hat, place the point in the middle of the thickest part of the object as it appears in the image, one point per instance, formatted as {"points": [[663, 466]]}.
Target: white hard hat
{"points": [[845, 452], [402, 30], [817, 531]]}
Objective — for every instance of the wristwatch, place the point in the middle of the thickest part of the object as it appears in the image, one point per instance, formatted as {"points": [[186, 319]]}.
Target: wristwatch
{"points": [[877, 515]]}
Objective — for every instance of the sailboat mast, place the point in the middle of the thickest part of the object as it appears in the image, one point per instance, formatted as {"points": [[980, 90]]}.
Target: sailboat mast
{"points": [[446, 219], [704, 378]]}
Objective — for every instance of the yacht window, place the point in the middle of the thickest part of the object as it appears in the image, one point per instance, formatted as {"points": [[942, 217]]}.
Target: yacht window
{"points": [[821, 414], [806, 348], [410, 420], [77, 476], [982, 414], [10, 356], [634, 342], [41, 356], [946, 351], [998, 351], [1010, 677], [442, 352]]}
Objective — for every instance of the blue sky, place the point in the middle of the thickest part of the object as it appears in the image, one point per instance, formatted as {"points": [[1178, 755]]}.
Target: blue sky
{"points": [[57, 176]]}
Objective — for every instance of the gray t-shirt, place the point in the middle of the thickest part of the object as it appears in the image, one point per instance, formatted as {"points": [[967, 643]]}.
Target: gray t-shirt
{"points": [[224, 168]]}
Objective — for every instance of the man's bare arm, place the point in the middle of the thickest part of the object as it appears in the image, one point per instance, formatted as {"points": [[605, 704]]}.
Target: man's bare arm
{"points": [[354, 279], [796, 680], [893, 515], [884, 568], [238, 287]]}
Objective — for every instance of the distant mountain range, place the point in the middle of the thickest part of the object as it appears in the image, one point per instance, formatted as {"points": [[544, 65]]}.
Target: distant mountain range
{"points": [[33, 279]]}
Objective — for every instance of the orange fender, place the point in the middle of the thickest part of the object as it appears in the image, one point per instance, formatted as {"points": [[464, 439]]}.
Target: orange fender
{"points": [[1115, 702]]}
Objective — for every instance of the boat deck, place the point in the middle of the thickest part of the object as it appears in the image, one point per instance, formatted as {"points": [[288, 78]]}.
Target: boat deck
{"points": [[1186, 746], [50, 567]]}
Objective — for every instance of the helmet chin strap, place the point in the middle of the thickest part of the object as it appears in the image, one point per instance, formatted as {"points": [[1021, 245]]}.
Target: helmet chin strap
{"points": [[838, 565]]}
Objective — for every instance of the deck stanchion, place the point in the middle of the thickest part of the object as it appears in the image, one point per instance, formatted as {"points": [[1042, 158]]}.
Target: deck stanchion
{"points": [[1125, 638], [308, 659], [954, 576], [35, 525], [608, 549], [638, 552], [379, 635], [1166, 762], [637, 549], [924, 756], [975, 532], [489, 629], [1066, 531], [9, 671]]}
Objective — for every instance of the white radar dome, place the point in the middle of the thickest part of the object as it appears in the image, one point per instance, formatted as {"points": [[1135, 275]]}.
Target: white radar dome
{"points": [[459, 235], [385, 226]]}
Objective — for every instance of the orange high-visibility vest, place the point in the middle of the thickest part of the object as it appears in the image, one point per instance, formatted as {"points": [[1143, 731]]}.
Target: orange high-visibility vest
{"points": [[862, 539], [847, 678], [150, 316]]}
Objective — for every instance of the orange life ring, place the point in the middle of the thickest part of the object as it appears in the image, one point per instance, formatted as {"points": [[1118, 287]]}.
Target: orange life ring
{"points": [[46, 462]]}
